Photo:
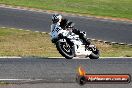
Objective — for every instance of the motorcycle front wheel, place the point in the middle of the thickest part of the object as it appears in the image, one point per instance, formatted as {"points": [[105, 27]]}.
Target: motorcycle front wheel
{"points": [[65, 49], [94, 54]]}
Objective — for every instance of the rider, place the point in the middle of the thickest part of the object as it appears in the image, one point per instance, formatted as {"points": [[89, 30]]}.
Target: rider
{"points": [[63, 24]]}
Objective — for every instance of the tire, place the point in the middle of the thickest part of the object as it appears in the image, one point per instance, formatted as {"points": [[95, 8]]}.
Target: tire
{"points": [[94, 55], [81, 80], [68, 54]]}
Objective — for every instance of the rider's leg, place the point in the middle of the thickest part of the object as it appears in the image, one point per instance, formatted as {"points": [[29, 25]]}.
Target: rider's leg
{"points": [[85, 40], [81, 36]]}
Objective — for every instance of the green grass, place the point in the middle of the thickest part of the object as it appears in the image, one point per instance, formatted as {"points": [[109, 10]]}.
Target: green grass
{"points": [[25, 43], [111, 8], [114, 50], [15, 42], [3, 83]]}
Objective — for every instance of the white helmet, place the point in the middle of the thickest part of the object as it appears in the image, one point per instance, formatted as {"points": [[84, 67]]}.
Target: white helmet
{"points": [[56, 18]]}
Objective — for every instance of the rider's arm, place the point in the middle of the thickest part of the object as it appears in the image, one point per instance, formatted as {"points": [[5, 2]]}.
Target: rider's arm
{"points": [[63, 23], [55, 28], [54, 31], [76, 31]]}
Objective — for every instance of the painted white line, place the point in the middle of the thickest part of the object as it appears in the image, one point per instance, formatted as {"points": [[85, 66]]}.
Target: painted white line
{"points": [[27, 30], [10, 6], [13, 79], [20, 29], [83, 58], [56, 57], [106, 42], [114, 57], [19, 80], [121, 43], [44, 32], [12, 28], [10, 57], [36, 31], [114, 42], [100, 40], [80, 58], [93, 39], [65, 58], [88, 58], [3, 27]]}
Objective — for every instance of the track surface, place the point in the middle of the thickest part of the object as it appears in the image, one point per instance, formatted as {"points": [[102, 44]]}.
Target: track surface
{"points": [[61, 72], [107, 30], [67, 85]]}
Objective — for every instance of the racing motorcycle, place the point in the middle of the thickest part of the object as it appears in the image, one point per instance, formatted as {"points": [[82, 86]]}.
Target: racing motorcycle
{"points": [[70, 45]]}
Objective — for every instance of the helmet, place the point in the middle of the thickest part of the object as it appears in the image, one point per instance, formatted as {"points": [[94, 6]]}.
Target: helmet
{"points": [[56, 18]]}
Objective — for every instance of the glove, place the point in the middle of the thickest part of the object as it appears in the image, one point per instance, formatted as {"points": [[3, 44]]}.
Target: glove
{"points": [[60, 36], [76, 31]]}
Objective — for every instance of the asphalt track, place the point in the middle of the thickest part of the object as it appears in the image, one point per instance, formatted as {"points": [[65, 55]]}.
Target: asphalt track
{"points": [[58, 73], [107, 30], [38, 72]]}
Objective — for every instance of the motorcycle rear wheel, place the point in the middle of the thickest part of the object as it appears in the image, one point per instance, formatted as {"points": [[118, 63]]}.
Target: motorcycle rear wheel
{"points": [[94, 55]]}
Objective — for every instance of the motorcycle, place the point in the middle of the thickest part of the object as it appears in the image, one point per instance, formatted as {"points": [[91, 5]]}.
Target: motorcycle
{"points": [[70, 45]]}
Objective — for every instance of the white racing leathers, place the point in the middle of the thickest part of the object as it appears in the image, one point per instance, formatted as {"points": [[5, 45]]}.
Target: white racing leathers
{"points": [[79, 47]]}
